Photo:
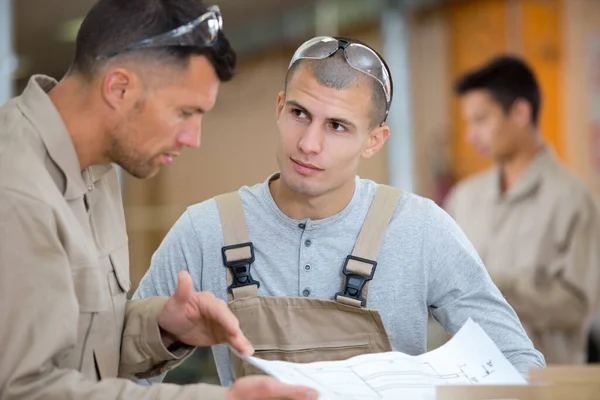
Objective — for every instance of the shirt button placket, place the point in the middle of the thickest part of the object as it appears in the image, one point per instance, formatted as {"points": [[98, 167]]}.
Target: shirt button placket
{"points": [[304, 262]]}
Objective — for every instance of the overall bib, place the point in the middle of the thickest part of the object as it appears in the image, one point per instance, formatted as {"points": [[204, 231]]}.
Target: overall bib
{"points": [[299, 329]]}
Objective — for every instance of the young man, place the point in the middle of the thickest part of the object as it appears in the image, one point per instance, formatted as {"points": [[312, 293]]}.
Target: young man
{"points": [[535, 225], [313, 223], [144, 73]]}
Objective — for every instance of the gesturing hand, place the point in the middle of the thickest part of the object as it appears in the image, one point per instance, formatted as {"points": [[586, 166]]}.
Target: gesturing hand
{"points": [[200, 319]]}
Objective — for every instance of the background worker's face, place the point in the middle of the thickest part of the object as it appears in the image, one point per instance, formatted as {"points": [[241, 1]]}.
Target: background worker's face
{"points": [[155, 124], [489, 129], [324, 132]]}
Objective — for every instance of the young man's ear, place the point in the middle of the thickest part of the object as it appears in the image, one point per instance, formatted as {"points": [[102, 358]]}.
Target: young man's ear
{"points": [[280, 104], [377, 138]]}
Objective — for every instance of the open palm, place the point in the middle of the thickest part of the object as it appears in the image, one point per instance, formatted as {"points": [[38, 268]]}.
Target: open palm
{"points": [[200, 319]]}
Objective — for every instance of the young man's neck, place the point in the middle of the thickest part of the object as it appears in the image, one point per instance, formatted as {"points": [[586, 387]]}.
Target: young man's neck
{"points": [[72, 101], [299, 207], [515, 166]]}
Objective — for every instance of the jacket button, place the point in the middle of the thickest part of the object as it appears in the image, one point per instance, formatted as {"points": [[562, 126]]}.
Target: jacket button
{"points": [[307, 242], [306, 293]]}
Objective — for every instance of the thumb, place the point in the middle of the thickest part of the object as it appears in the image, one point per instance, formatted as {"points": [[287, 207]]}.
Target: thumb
{"points": [[185, 287]]}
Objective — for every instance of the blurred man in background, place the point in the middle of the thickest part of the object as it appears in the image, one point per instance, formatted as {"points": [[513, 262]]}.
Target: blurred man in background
{"points": [[535, 225], [144, 74]]}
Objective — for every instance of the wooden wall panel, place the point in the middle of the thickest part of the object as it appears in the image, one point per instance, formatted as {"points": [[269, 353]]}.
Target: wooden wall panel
{"points": [[477, 32], [542, 48]]}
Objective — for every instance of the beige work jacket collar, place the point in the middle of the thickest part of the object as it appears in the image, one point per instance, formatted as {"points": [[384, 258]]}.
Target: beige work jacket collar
{"points": [[43, 115], [529, 181]]}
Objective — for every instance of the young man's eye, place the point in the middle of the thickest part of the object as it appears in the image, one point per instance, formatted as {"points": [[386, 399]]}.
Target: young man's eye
{"points": [[186, 114], [338, 127], [298, 113]]}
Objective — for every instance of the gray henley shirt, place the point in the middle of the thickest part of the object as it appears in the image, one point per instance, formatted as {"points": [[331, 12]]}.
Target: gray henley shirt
{"points": [[425, 262]]}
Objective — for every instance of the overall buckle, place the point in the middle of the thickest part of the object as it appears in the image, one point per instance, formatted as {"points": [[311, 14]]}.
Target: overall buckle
{"points": [[240, 269], [355, 282]]}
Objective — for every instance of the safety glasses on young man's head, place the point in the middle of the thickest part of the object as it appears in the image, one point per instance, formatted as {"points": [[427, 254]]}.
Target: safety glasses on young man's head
{"points": [[206, 28], [358, 56]]}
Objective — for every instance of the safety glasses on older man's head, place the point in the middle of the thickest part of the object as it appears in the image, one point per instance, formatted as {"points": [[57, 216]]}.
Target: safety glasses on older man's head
{"points": [[201, 32], [358, 56]]}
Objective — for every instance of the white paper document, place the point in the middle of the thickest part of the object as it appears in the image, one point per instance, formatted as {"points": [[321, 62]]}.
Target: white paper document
{"points": [[470, 357]]}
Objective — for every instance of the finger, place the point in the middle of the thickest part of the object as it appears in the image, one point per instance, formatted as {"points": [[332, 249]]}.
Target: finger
{"points": [[241, 343], [230, 325], [185, 287], [222, 315]]}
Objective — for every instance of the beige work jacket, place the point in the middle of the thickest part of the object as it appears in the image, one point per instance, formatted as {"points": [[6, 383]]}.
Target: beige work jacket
{"points": [[66, 327]]}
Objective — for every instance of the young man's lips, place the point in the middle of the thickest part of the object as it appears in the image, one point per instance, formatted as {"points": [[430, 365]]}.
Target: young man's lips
{"points": [[306, 165], [305, 169]]}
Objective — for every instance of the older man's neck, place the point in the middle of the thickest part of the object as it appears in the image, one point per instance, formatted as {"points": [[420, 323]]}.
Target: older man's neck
{"points": [[83, 120]]}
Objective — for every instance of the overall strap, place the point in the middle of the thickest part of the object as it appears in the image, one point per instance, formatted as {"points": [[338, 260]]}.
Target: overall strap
{"points": [[238, 251], [359, 267]]}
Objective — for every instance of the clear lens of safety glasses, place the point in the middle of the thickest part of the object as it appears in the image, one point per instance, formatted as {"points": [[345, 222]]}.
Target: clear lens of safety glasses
{"points": [[206, 28], [366, 60], [316, 49], [358, 56]]}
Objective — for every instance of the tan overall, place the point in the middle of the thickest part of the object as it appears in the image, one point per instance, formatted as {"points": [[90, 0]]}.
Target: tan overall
{"points": [[300, 329]]}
